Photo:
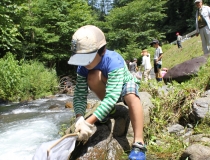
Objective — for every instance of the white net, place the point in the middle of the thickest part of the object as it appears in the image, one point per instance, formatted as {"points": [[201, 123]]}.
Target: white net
{"points": [[59, 149]]}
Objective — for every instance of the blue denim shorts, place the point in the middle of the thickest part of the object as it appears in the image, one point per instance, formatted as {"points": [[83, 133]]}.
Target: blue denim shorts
{"points": [[129, 87]]}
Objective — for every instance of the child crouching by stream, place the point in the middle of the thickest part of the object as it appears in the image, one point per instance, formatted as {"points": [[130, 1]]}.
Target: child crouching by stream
{"points": [[106, 74]]}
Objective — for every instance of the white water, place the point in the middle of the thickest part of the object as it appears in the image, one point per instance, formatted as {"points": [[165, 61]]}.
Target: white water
{"points": [[24, 128]]}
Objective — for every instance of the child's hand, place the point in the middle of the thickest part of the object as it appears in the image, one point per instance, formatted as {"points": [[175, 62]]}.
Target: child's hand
{"points": [[85, 129]]}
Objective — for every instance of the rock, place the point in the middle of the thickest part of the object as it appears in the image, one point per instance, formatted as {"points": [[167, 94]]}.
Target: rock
{"points": [[108, 142], [201, 108], [54, 107], [69, 105], [196, 152], [200, 138], [147, 105], [175, 128], [207, 93], [184, 71]]}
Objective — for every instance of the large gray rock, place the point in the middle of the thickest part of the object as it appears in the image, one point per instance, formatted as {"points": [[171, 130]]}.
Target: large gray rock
{"points": [[201, 108], [184, 71], [196, 152], [109, 141]]}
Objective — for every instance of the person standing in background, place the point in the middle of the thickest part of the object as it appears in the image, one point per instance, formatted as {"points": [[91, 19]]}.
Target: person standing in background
{"points": [[146, 64], [157, 59], [127, 62], [203, 25], [133, 66], [179, 40]]}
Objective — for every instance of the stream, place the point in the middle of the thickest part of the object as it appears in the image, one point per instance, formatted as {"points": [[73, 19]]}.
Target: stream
{"points": [[25, 126]]}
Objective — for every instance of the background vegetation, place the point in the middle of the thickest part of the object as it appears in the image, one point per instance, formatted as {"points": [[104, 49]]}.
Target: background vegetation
{"points": [[35, 38], [21, 80], [177, 105], [40, 31]]}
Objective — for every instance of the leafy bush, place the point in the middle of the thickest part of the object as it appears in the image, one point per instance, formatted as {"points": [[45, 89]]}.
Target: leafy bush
{"points": [[25, 80], [10, 78], [37, 81]]}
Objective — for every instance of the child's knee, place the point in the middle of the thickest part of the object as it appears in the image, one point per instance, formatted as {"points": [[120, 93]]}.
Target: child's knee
{"points": [[93, 77]]}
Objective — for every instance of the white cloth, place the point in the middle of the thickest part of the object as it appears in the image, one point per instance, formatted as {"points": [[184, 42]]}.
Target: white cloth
{"points": [[146, 62], [61, 151]]}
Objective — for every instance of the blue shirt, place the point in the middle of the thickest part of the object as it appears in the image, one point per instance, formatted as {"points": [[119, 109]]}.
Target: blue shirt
{"points": [[110, 61]]}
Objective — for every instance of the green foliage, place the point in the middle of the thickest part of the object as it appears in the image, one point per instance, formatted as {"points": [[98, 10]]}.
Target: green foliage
{"points": [[133, 25], [62, 130], [10, 78], [47, 28], [8, 29], [25, 80], [37, 80], [203, 126], [169, 109], [121, 3], [180, 18]]}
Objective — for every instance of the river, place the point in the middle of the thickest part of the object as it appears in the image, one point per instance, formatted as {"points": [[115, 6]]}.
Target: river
{"points": [[25, 126]]}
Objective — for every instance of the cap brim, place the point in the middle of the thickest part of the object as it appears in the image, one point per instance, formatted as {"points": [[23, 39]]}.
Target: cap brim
{"points": [[197, 1], [82, 59]]}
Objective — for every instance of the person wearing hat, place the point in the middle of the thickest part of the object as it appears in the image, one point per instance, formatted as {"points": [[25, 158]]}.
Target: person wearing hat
{"points": [[157, 59], [106, 74], [146, 64], [179, 40], [203, 25]]}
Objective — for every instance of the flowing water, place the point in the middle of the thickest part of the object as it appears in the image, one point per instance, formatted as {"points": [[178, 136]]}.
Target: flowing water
{"points": [[25, 126]]}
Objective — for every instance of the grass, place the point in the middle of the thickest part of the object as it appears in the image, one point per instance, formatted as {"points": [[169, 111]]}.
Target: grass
{"points": [[172, 55]]}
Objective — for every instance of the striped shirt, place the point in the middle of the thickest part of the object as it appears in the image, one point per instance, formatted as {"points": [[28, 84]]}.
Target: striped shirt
{"points": [[114, 68]]}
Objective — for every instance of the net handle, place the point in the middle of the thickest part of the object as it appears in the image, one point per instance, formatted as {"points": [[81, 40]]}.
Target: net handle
{"points": [[68, 135]]}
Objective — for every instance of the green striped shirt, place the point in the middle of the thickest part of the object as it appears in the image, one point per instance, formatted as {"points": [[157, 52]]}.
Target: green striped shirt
{"points": [[115, 82]]}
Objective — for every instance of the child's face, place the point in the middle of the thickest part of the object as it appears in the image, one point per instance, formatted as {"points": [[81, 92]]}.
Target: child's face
{"points": [[144, 53], [94, 63], [155, 45]]}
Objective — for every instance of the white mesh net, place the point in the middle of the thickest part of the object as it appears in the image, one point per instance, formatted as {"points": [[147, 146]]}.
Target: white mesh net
{"points": [[59, 149]]}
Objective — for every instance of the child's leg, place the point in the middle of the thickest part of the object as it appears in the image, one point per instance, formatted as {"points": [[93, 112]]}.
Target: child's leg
{"points": [[159, 76], [97, 83], [136, 116]]}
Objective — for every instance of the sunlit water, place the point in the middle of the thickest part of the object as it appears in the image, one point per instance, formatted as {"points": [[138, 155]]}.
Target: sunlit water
{"points": [[24, 127]]}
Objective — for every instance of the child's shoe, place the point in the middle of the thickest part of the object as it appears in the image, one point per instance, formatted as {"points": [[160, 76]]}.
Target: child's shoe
{"points": [[137, 152]]}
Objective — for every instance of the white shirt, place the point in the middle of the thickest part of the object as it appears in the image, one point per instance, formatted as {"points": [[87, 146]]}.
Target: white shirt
{"points": [[179, 38], [205, 12], [146, 62], [157, 54]]}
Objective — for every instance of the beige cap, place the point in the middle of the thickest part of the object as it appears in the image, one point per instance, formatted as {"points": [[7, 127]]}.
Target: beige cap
{"points": [[85, 44], [197, 1]]}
